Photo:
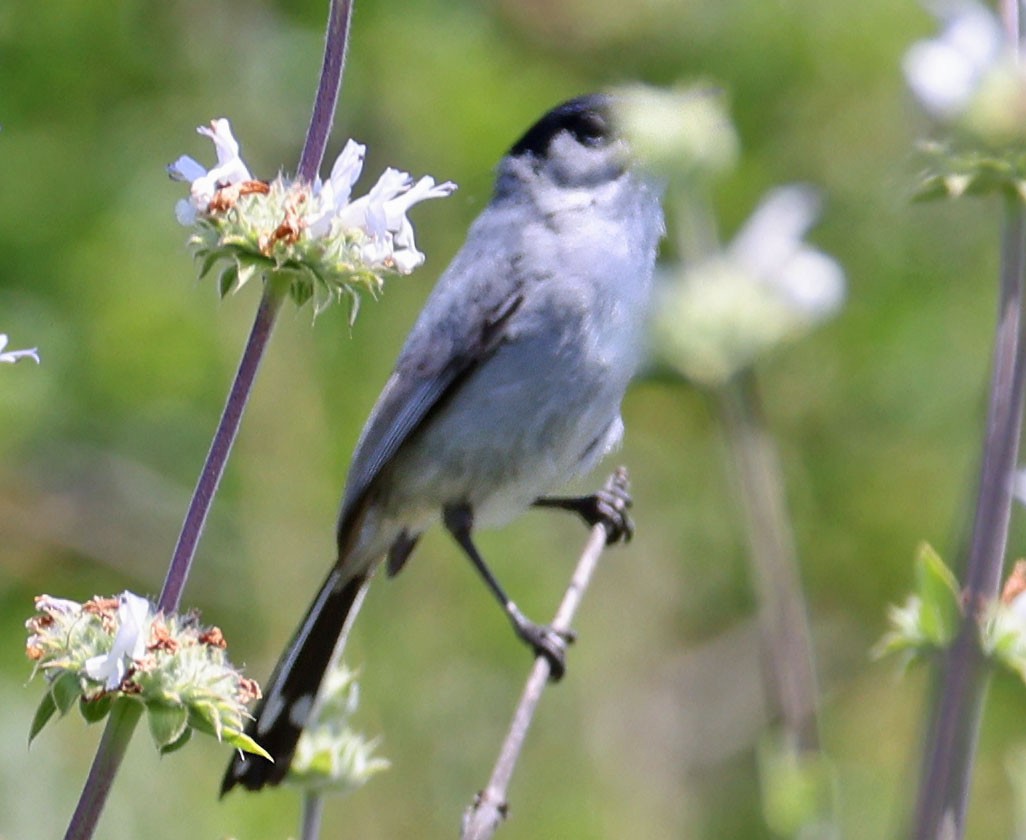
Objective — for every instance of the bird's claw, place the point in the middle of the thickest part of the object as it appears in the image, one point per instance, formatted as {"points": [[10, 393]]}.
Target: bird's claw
{"points": [[548, 642]]}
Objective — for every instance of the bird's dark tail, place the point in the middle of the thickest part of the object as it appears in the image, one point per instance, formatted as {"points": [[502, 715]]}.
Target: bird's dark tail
{"points": [[291, 693]]}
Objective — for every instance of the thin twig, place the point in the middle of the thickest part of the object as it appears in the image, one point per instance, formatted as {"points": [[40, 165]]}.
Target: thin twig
{"points": [[489, 808]]}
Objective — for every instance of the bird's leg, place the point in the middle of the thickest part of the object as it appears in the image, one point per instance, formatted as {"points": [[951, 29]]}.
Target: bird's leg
{"points": [[545, 641], [608, 506]]}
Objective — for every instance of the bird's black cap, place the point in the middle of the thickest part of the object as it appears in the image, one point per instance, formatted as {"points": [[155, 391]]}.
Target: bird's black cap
{"points": [[587, 118]]}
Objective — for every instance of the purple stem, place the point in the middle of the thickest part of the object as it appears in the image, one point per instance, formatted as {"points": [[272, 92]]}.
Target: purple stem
{"points": [[116, 736], [951, 745], [220, 447], [124, 717], [336, 42]]}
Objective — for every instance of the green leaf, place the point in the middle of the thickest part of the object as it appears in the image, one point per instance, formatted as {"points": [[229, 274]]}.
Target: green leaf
{"points": [[939, 594], [240, 740], [44, 712], [65, 691], [96, 709], [167, 723]]}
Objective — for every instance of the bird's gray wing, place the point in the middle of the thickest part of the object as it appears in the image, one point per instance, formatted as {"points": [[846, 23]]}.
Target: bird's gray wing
{"points": [[438, 355]]}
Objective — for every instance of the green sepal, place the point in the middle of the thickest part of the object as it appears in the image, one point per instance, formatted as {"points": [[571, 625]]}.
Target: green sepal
{"points": [[242, 741], [167, 723], [206, 718], [244, 273], [209, 260], [301, 290], [952, 170], [44, 712], [799, 789], [228, 279], [96, 709], [177, 745], [930, 617], [938, 590]]}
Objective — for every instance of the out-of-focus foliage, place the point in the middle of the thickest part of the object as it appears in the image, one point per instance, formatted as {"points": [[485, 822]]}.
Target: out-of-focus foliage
{"points": [[654, 733]]}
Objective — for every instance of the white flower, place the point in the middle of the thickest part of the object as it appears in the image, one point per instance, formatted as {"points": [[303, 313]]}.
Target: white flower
{"points": [[945, 73], [329, 244], [381, 214], [681, 132], [969, 75], [134, 619], [12, 356], [768, 286], [204, 184], [770, 248]]}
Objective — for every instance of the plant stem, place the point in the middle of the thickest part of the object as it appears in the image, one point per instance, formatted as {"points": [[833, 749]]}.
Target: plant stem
{"points": [[125, 716], [220, 447], [951, 744], [788, 671], [335, 46], [313, 812], [122, 721], [121, 724]]}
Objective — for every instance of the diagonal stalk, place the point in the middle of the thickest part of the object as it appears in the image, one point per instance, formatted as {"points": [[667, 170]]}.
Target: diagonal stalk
{"points": [[124, 717], [787, 647], [951, 743], [220, 447]]}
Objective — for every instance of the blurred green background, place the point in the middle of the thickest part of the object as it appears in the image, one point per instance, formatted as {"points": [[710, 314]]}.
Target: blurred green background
{"points": [[653, 733]]}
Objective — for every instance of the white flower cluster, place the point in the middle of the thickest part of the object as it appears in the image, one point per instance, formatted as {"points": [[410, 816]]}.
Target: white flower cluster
{"points": [[767, 286], [969, 75], [316, 232], [108, 650], [330, 755]]}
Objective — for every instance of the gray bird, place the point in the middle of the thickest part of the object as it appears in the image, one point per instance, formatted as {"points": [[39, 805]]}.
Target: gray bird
{"points": [[509, 385]]}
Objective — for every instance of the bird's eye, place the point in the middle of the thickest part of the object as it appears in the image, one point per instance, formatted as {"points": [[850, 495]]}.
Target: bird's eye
{"points": [[591, 128], [586, 119]]}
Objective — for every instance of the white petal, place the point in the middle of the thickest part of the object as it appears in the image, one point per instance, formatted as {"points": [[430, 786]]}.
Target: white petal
{"points": [[220, 131], [134, 615], [230, 168], [185, 212], [940, 77], [813, 283], [975, 32], [407, 259], [389, 185], [945, 72], [186, 169], [129, 642], [12, 356], [346, 170], [774, 231], [109, 669], [354, 214]]}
